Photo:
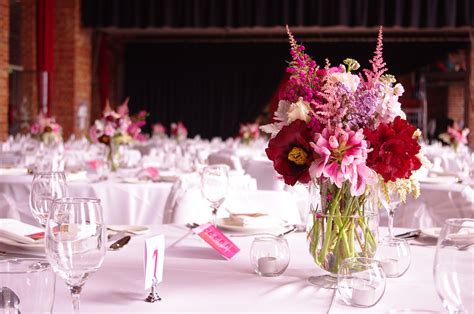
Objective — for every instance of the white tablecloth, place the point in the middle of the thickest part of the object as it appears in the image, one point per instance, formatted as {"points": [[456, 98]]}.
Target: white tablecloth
{"points": [[196, 279]]}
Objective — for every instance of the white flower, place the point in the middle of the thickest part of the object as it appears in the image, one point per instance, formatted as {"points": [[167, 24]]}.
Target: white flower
{"points": [[398, 90], [388, 106], [349, 80], [299, 111], [281, 115]]}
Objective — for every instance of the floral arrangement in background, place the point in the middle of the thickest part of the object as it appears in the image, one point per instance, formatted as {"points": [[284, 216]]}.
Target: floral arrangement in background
{"points": [[249, 132], [179, 131], [116, 127], [345, 133], [159, 130], [455, 136], [46, 129]]}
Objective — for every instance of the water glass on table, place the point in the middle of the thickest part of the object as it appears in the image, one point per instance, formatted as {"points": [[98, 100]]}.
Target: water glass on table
{"points": [[45, 188], [76, 241], [214, 186], [27, 285], [454, 264]]}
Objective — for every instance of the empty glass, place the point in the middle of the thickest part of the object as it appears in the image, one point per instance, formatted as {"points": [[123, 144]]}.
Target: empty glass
{"points": [[45, 188], [75, 241], [361, 281], [269, 255], [214, 185], [453, 265], [27, 285]]}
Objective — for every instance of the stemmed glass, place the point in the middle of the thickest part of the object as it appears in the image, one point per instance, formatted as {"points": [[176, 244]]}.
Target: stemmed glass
{"points": [[390, 205], [214, 185], [75, 241], [453, 265], [45, 188]]}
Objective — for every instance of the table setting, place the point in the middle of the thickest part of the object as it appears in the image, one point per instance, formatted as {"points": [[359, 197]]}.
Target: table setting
{"points": [[341, 209]]}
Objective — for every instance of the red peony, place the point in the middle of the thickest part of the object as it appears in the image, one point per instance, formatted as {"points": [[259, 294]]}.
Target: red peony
{"points": [[291, 153], [394, 150]]}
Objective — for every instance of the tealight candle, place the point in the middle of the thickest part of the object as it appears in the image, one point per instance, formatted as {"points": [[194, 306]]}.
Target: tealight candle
{"points": [[267, 265], [363, 295], [390, 266]]}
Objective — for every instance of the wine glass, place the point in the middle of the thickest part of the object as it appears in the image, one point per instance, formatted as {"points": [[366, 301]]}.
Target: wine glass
{"points": [[75, 241], [452, 269], [45, 188], [390, 205], [214, 185]]}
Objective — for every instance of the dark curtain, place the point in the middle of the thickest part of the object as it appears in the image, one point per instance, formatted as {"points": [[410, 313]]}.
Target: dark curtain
{"points": [[249, 13], [214, 87], [210, 87]]}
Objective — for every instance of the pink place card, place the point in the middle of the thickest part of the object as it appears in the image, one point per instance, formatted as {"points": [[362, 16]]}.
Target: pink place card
{"points": [[154, 259], [217, 240]]}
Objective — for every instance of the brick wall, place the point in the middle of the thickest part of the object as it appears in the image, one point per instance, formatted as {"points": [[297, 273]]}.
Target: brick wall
{"points": [[4, 37], [456, 102], [72, 59]]}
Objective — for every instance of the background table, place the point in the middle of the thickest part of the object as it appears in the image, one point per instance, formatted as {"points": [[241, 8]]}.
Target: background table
{"points": [[197, 280]]}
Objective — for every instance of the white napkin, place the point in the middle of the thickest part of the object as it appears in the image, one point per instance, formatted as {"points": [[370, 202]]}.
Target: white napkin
{"points": [[253, 220], [76, 176], [19, 231], [13, 171]]}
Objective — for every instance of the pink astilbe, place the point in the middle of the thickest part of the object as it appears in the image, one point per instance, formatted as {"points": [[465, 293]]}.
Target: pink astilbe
{"points": [[341, 156], [378, 65]]}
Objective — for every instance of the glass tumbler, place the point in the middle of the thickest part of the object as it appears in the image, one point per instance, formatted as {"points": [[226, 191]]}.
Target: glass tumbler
{"points": [[361, 281], [269, 255], [27, 285]]}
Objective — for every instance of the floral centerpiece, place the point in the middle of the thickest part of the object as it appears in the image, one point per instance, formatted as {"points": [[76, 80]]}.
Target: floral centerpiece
{"points": [[179, 131], [344, 134], [249, 132], [46, 130], [455, 136], [159, 130], [115, 129]]}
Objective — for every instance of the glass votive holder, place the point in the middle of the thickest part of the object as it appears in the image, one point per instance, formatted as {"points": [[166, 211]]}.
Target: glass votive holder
{"points": [[27, 285], [361, 281], [394, 256], [269, 255]]}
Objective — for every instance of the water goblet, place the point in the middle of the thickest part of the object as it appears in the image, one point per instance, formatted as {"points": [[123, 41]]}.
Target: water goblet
{"points": [[453, 265], [214, 186], [45, 188], [75, 241]]}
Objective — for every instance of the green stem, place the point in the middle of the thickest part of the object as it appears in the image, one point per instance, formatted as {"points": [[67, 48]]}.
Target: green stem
{"points": [[327, 237]]}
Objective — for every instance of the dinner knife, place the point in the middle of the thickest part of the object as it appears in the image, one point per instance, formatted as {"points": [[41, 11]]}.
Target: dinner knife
{"points": [[409, 234]]}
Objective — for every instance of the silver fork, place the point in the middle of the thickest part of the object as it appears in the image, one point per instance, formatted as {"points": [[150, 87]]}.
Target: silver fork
{"points": [[190, 226]]}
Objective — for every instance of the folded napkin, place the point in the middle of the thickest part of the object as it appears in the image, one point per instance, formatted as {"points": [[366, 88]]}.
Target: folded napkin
{"points": [[13, 171], [20, 232], [149, 173], [253, 220], [76, 176]]}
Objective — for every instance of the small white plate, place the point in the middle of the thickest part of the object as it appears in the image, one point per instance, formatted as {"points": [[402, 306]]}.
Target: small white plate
{"points": [[221, 223], [129, 228], [24, 246], [431, 232]]}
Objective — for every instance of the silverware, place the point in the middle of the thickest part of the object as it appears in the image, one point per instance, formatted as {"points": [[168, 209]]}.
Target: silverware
{"points": [[408, 235], [292, 229], [120, 243], [19, 255], [190, 226], [465, 247]]}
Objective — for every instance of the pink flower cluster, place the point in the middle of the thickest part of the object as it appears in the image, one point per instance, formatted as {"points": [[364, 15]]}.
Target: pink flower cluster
{"points": [[455, 136], [159, 130], [179, 131], [46, 129], [249, 132]]}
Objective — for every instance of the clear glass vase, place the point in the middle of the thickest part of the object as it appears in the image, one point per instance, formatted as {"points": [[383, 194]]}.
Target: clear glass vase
{"points": [[114, 156], [340, 226]]}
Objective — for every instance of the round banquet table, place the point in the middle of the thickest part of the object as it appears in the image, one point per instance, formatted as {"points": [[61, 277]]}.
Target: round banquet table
{"points": [[196, 279]]}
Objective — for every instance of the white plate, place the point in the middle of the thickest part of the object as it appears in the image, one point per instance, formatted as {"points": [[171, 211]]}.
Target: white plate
{"points": [[133, 180], [431, 232], [24, 246], [221, 223], [129, 229], [438, 180]]}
